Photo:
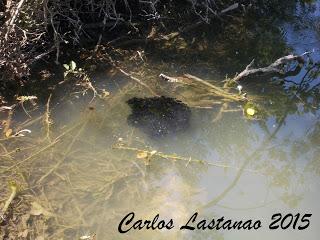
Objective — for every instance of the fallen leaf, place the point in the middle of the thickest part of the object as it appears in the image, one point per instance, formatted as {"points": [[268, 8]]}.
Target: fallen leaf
{"points": [[8, 132], [250, 111], [105, 93], [37, 209], [73, 65], [66, 66]]}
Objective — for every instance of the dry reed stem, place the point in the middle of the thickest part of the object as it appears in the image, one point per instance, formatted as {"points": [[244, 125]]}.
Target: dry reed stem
{"points": [[13, 194], [174, 157], [217, 90], [66, 152], [54, 142], [46, 119], [32, 156]]}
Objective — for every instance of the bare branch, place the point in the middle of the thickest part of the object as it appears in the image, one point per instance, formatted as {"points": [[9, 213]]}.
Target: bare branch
{"points": [[274, 68]]}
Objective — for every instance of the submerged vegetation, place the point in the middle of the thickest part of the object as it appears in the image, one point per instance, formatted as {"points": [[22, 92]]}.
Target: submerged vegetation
{"points": [[71, 164]]}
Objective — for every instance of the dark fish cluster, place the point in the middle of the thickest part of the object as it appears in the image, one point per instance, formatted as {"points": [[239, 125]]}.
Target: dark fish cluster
{"points": [[158, 116]]}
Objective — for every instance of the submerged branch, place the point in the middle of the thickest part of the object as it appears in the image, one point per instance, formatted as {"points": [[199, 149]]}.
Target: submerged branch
{"points": [[217, 90], [175, 157], [137, 80], [274, 68], [214, 90], [13, 19], [65, 154]]}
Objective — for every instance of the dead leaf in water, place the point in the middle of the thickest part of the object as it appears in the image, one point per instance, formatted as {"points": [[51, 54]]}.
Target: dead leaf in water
{"points": [[105, 93], [8, 133], [37, 209]]}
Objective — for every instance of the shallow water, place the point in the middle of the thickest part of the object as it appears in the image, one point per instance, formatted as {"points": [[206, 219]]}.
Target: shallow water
{"points": [[263, 167]]}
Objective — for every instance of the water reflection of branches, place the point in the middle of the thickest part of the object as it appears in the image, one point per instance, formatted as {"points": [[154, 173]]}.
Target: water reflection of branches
{"points": [[303, 88], [243, 166]]}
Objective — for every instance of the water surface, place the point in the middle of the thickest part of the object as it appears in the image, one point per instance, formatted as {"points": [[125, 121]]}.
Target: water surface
{"points": [[263, 167]]}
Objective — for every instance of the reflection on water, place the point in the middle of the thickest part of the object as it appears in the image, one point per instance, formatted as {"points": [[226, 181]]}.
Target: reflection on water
{"points": [[99, 184], [262, 167]]}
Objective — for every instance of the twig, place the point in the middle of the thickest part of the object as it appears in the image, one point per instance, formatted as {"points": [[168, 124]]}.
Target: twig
{"points": [[25, 111], [230, 8], [65, 154], [55, 141], [32, 156], [273, 68], [15, 15], [47, 121], [214, 89], [188, 160], [169, 79], [218, 91], [132, 77], [41, 55], [219, 114], [138, 81], [13, 194]]}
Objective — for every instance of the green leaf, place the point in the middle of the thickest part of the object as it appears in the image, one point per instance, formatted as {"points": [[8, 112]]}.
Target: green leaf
{"points": [[66, 66], [73, 65]]}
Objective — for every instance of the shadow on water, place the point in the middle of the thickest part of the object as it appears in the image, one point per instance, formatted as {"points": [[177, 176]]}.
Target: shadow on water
{"points": [[95, 168]]}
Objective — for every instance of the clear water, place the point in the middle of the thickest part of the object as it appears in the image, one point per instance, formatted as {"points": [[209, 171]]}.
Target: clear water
{"points": [[271, 166]]}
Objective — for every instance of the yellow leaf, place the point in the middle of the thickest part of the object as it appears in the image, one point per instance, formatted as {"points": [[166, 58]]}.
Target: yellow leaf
{"points": [[66, 66], [72, 65], [8, 132], [105, 93], [250, 111]]}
